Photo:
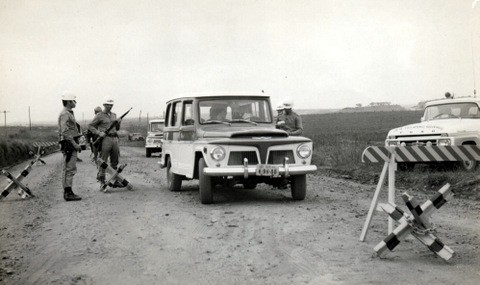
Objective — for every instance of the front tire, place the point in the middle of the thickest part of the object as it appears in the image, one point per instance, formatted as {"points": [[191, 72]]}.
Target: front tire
{"points": [[174, 181], [148, 153], [205, 183], [299, 186], [469, 165]]}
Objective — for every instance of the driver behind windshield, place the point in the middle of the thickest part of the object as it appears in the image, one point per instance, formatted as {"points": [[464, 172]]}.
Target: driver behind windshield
{"points": [[218, 113]]}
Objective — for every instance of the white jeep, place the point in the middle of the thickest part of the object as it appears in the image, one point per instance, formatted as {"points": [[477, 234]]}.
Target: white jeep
{"points": [[231, 139], [153, 142], [449, 121]]}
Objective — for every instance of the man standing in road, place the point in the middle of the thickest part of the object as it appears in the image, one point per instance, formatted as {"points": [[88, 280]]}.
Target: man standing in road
{"points": [[109, 145], [69, 132], [293, 122], [92, 137]]}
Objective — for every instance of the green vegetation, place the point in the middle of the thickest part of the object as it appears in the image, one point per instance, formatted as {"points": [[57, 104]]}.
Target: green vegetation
{"points": [[340, 138]]}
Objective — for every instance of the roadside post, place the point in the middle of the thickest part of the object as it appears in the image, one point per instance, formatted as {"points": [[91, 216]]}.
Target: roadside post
{"points": [[417, 223], [391, 155], [114, 176]]}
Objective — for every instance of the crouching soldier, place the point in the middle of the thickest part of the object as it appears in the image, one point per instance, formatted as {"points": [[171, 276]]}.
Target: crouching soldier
{"points": [[69, 132]]}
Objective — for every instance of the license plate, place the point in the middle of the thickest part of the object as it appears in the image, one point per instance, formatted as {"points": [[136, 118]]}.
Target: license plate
{"points": [[266, 170]]}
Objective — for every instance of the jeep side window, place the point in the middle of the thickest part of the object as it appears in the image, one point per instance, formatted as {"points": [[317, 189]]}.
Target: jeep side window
{"points": [[176, 113], [167, 115], [187, 114]]}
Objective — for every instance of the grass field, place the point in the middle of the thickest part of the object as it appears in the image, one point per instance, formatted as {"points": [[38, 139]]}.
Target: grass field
{"points": [[339, 140]]}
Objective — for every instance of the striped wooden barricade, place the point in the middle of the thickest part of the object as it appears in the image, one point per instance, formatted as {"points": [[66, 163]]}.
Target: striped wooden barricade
{"points": [[417, 223], [114, 176], [23, 191], [391, 155]]}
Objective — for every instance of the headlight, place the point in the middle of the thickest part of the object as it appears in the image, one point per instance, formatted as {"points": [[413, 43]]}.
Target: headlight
{"points": [[304, 151], [149, 140], [444, 142], [217, 153]]}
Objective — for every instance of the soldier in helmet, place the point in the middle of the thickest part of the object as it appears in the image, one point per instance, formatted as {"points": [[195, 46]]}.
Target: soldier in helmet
{"points": [[109, 145], [69, 132], [293, 122]]}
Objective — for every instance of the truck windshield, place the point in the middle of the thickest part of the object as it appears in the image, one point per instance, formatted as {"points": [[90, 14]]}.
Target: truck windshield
{"points": [[455, 110], [156, 127], [235, 110]]}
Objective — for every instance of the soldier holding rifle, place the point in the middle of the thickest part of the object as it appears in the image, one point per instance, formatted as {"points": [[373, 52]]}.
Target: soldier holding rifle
{"points": [[105, 125], [69, 132]]}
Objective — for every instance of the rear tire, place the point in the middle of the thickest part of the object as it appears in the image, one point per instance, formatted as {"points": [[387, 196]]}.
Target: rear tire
{"points": [[205, 183], [174, 181], [299, 186]]}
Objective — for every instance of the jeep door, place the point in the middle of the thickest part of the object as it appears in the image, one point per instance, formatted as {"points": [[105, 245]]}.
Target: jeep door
{"points": [[180, 135]]}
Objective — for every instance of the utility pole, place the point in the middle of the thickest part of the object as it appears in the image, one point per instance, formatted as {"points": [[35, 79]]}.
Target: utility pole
{"points": [[29, 119], [140, 118], [5, 117]]}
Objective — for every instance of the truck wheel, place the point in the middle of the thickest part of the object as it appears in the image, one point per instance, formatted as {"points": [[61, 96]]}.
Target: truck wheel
{"points": [[469, 165], [174, 181], [206, 194], [148, 153], [299, 186]]}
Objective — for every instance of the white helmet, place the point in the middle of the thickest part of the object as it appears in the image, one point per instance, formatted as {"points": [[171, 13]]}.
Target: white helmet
{"points": [[68, 96], [279, 107], [108, 101], [288, 103]]}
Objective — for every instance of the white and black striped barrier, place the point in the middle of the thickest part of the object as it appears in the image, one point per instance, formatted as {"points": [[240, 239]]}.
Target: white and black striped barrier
{"points": [[23, 190], [114, 176], [417, 223], [393, 154]]}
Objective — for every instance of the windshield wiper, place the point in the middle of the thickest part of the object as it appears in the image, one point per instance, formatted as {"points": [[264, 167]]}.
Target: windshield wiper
{"points": [[243, 121], [216, 122]]}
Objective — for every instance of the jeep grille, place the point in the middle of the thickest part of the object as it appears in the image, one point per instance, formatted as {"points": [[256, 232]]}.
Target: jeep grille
{"points": [[278, 156], [236, 157]]}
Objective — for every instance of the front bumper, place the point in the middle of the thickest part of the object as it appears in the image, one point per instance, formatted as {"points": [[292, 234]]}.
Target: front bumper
{"points": [[250, 170]]}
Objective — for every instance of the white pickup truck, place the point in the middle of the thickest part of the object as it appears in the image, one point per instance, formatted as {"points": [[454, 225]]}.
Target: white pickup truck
{"points": [[448, 121]]}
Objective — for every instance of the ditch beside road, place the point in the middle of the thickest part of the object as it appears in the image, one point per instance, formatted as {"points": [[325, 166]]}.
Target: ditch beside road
{"points": [[261, 236]]}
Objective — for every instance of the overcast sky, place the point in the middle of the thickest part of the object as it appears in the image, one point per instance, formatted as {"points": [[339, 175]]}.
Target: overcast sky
{"points": [[321, 53]]}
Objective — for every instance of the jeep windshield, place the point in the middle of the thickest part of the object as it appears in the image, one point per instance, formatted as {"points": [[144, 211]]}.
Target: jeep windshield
{"points": [[157, 127], [234, 111], [449, 111]]}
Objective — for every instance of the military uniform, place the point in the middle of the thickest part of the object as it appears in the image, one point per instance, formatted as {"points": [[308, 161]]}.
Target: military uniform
{"points": [[101, 122], [68, 130], [293, 123]]}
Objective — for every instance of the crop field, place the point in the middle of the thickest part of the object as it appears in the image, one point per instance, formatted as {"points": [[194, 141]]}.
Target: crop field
{"points": [[339, 140]]}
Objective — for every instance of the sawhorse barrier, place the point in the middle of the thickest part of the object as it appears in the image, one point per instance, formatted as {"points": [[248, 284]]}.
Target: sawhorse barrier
{"points": [[23, 191], [114, 176], [393, 154], [417, 223]]}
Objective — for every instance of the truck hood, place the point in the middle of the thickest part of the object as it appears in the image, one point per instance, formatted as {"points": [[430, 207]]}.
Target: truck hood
{"points": [[444, 126], [241, 131]]}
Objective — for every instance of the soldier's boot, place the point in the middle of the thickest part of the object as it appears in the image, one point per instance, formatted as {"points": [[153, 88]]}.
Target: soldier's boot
{"points": [[68, 195], [101, 179]]}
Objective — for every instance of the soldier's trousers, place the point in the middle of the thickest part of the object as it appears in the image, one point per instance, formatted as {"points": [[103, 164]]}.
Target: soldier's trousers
{"points": [[109, 149], [69, 169]]}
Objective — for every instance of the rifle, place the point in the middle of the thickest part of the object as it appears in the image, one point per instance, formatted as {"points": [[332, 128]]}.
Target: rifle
{"points": [[98, 141]]}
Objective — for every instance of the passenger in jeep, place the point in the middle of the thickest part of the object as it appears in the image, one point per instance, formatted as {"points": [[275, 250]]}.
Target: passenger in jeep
{"points": [[218, 113]]}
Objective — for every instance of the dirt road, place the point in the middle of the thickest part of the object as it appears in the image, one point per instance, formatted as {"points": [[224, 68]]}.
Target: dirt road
{"points": [[153, 236]]}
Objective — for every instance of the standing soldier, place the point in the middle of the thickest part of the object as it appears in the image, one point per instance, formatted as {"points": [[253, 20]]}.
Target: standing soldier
{"points": [[293, 122], [69, 132], [92, 137], [109, 145]]}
